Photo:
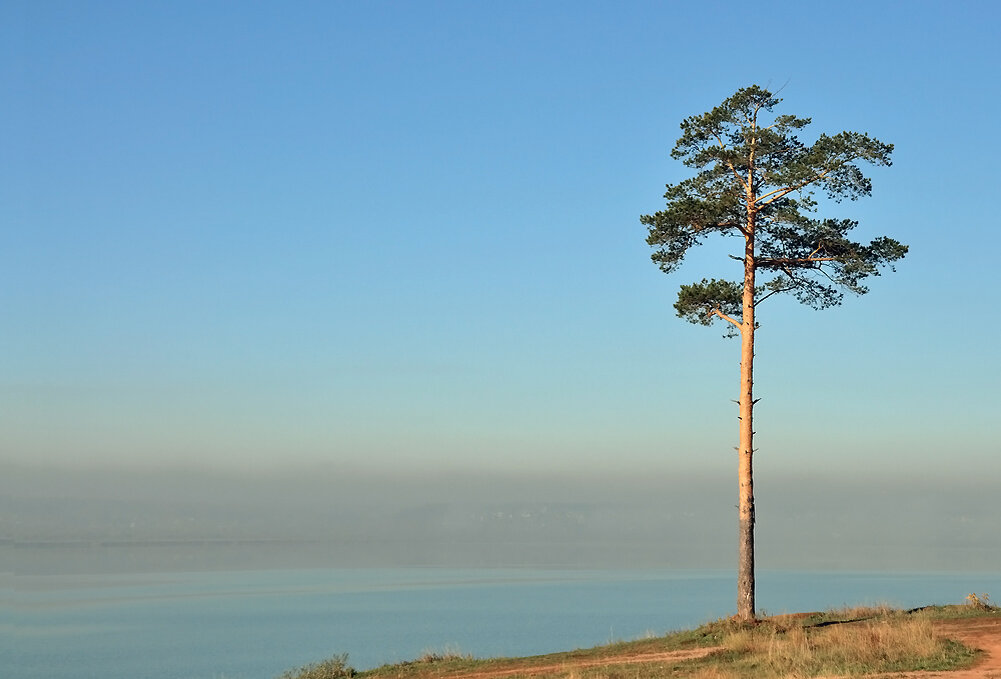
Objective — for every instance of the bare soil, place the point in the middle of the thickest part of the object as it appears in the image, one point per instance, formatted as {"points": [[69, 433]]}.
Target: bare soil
{"points": [[663, 656]]}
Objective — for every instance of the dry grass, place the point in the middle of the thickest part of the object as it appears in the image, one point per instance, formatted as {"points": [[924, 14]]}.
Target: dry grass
{"points": [[447, 654], [333, 668], [848, 641], [980, 602], [861, 612], [716, 672], [848, 648]]}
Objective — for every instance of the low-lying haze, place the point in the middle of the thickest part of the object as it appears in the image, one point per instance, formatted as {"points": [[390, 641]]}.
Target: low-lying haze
{"points": [[81, 521]]}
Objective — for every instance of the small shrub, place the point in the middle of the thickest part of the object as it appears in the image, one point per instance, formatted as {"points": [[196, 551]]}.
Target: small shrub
{"points": [[444, 655], [332, 668], [980, 602]]}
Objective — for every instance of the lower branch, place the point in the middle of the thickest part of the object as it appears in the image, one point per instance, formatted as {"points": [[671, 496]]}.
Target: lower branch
{"points": [[720, 314]]}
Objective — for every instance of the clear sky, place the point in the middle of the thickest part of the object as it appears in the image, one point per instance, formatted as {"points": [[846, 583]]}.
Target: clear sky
{"points": [[395, 235]]}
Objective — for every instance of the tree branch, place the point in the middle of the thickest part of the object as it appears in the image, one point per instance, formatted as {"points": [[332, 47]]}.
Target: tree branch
{"points": [[777, 290], [789, 189], [779, 193], [828, 276], [736, 174], [717, 312], [799, 262]]}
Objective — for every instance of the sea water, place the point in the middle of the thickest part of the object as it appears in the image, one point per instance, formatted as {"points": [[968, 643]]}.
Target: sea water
{"points": [[256, 624]]}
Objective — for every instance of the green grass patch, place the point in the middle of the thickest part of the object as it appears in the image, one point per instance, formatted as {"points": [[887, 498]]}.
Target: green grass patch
{"points": [[954, 612]]}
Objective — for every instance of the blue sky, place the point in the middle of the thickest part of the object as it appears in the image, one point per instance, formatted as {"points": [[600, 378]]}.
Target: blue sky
{"points": [[405, 235]]}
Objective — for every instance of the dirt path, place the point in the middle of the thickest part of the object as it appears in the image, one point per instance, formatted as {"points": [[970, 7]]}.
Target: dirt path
{"points": [[664, 656], [982, 633]]}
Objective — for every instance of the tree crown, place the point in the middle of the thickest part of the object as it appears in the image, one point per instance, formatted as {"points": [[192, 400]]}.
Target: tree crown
{"points": [[756, 178]]}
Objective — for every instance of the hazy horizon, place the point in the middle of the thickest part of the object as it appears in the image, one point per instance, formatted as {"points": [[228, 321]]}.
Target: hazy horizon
{"points": [[123, 520]]}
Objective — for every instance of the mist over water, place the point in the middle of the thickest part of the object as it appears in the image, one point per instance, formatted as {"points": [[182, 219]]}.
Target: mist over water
{"points": [[117, 520], [110, 571]]}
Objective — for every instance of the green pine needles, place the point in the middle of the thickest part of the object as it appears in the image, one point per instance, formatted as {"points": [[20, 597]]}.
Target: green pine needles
{"points": [[756, 178]]}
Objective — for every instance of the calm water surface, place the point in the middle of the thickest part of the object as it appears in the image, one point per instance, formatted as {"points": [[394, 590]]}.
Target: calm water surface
{"points": [[256, 624]]}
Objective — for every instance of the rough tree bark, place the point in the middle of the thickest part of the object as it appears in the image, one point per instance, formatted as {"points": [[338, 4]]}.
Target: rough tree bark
{"points": [[745, 476]]}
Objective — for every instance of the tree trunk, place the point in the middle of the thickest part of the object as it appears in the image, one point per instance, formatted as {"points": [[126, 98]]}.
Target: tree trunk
{"points": [[745, 450]]}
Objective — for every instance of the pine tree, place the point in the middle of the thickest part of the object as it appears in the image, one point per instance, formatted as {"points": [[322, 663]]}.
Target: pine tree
{"points": [[755, 179]]}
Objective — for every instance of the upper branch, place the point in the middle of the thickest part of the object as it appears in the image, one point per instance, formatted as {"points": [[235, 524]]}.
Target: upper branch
{"points": [[795, 262], [786, 190]]}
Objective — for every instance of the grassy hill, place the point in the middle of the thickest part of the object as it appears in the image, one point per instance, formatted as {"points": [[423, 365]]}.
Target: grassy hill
{"points": [[836, 643]]}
